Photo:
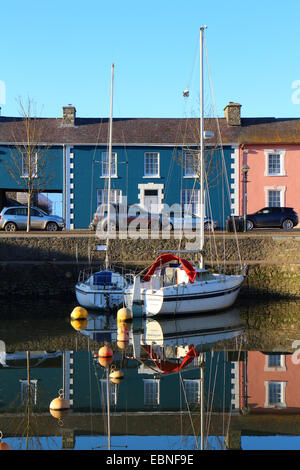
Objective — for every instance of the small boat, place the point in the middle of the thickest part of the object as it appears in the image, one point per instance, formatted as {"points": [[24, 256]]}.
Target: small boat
{"points": [[172, 285], [103, 289], [100, 290]]}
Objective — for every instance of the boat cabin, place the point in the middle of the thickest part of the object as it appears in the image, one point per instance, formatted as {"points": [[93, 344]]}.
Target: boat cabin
{"points": [[174, 274]]}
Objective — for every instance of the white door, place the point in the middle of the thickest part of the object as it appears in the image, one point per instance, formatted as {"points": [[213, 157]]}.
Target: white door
{"points": [[151, 201]]}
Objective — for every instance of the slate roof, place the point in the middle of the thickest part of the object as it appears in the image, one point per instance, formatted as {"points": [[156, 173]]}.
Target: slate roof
{"points": [[156, 131], [270, 131], [135, 131]]}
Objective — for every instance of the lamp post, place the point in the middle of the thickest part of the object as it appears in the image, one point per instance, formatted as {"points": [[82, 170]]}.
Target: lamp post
{"points": [[245, 169]]}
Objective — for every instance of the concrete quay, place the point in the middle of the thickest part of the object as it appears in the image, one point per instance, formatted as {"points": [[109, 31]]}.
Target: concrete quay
{"points": [[40, 264]]}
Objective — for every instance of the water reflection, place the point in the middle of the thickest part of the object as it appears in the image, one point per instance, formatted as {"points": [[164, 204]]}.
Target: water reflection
{"points": [[177, 383]]}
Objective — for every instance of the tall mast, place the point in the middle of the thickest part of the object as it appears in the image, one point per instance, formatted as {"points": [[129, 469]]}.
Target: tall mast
{"points": [[201, 148], [109, 167]]}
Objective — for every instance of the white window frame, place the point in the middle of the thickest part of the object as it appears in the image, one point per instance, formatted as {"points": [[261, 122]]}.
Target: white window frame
{"points": [[192, 390], [280, 189], [25, 166], [282, 402], [280, 367], [192, 173], [33, 390], [281, 153], [153, 174], [104, 165], [115, 196], [151, 391], [190, 197]]}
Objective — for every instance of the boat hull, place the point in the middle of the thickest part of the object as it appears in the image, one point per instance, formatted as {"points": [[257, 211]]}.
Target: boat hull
{"points": [[98, 299], [95, 293], [189, 298]]}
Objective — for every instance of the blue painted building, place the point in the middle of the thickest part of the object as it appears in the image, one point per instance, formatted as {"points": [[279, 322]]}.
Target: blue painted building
{"points": [[153, 163]]}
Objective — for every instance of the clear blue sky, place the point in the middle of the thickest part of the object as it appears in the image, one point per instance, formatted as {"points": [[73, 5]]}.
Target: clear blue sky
{"points": [[60, 52]]}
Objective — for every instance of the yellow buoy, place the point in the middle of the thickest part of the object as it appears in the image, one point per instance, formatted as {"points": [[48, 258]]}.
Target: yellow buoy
{"points": [[80, 324], [122, 339], [116, 376], [59, 407], [122, 327], [79, 313], [124, 314], [105, 356]]}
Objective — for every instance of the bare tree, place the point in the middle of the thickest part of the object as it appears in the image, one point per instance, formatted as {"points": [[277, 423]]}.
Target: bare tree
{"points": [[29, 163], [189, 157]]}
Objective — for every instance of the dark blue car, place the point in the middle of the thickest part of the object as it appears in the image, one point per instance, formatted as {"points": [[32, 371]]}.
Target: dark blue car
{"points": [[279, 217]]}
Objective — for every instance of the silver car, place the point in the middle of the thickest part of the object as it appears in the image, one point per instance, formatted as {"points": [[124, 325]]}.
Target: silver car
{"points": [[15, 218], [186, 221]]}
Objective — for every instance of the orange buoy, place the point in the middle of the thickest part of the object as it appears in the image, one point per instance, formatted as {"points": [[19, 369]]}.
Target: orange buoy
{"points": [[116, 376], [59, 407], [122, 340], [105, 356], [4, 446]]}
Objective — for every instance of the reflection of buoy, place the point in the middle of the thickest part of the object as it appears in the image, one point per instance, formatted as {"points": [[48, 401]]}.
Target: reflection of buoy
{"points": [[122, 327], [124, 314], [79, 313], [122, 340], [59, 407], [105, 356], [116, 376], [80, 324], [4, 446]]}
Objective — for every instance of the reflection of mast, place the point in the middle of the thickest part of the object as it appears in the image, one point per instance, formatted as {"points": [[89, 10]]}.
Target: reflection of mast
{"points": [[108, 410], [202, 399], [28, 396]]}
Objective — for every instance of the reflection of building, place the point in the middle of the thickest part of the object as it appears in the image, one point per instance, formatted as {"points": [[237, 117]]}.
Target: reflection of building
{"points": [[273, 383], [247, 390], [44, 370], [143, 387]]}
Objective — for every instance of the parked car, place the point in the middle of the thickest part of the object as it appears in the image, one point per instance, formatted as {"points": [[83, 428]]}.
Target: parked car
{"points": [[279, 217], [122, 216], [15, 218], [186, 221]]}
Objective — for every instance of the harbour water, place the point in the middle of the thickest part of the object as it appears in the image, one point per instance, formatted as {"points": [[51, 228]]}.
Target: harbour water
{"points": [[206, 382]]}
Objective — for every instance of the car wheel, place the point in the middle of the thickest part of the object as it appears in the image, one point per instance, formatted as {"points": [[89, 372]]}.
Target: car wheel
{"points": [[287, 224], [10, 227], [249, 225], [52, 227]]}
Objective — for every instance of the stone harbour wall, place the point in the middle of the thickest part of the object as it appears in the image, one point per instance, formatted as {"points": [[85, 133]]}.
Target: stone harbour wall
{"points": [[48, 265]]}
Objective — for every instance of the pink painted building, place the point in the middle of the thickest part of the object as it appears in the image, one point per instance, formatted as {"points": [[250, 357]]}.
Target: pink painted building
{"points": [[273, 177], [271, 149]]}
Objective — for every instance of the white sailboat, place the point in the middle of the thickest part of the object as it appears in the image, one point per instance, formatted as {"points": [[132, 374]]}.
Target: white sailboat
{"points": [[172, 285], [103, 289]]}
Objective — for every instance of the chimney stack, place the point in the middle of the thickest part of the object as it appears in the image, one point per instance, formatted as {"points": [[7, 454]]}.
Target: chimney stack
{"points": [[233, 114], [69, 115]]}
